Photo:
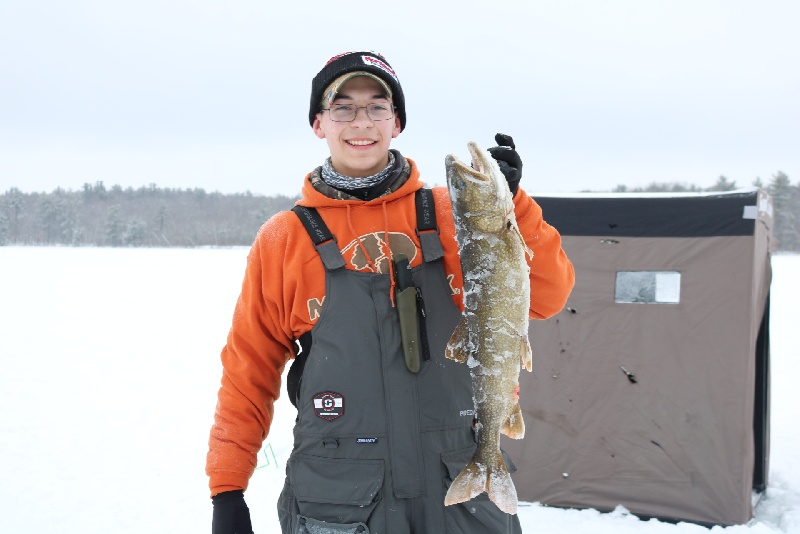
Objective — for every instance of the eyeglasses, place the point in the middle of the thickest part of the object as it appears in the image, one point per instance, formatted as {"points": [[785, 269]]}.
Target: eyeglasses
{"points": [[348, 112]]}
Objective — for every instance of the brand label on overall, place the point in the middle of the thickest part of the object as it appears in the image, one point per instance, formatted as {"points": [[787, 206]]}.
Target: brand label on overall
{"points": [[328, 405]]}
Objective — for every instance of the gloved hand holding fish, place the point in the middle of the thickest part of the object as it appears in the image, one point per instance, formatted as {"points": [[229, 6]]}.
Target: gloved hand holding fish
{"points": [[492, 337]]}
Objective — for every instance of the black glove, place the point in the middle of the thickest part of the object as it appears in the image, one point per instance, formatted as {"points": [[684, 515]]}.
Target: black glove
{"points": [[508, 160], [231, 514]]}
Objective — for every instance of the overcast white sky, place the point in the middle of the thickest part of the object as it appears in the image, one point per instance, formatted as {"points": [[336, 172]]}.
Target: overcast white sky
{"points": [[213, 94]]}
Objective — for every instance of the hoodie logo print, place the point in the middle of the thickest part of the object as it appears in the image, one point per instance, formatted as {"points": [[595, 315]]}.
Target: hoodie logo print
{"points": [[380, 254], [378, 250]]}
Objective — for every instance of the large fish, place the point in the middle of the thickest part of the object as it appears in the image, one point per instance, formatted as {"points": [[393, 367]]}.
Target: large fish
{"points": [[492, 337]]}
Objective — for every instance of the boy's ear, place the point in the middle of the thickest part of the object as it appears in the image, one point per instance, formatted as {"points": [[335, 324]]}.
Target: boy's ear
{"points": [[317, 127], [396, 131]]}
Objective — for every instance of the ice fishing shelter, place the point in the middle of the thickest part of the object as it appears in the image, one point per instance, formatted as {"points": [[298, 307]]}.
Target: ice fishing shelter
{"points": [[651, 389]]}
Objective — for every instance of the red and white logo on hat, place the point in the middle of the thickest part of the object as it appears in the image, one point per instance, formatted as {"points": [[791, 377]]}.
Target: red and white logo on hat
{"points": [[328, 405], [337, 56], [375, 62]]}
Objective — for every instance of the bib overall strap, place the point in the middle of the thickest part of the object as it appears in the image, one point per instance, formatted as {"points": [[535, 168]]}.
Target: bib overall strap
{"points": [[427, 231], [322, 238]]}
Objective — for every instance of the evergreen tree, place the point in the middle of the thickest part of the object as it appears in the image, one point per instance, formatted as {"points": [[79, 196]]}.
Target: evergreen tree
{"points": [[658, 187], [134, 233], [784, 201], [3, 229], [114, 227], [723, 185], [15, 213], [56, 218]]}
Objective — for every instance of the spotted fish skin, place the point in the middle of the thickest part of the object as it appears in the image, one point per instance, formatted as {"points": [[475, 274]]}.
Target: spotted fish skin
{"points": [[492, 336]]}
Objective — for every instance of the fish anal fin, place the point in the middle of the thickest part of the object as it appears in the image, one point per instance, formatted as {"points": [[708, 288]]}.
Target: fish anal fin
{"points": [[514, 425], [456, 349]]}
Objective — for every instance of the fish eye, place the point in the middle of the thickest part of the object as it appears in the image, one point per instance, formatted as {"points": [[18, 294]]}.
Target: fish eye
{"points": [[508, 224]]}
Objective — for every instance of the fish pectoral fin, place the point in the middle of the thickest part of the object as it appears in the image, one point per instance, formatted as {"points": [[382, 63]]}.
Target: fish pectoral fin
{"points": [[526, 354], [525, 246], [514, 425], [456, 349]]}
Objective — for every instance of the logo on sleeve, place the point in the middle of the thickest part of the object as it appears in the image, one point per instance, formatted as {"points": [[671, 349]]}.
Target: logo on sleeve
{"points": [[328, 405]]}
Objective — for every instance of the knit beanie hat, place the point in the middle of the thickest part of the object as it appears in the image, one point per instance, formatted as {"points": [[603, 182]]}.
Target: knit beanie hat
{"points": [[369, 62]]}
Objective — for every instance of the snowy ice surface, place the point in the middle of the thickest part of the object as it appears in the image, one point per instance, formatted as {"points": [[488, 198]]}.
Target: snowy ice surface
{"points": [[108, 379]]}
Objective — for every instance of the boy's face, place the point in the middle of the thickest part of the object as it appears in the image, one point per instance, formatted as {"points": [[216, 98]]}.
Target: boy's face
{"points": [[361, 147]]}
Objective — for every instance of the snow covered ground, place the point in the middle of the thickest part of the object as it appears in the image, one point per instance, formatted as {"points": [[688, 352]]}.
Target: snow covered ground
{"points": [[108, 375]]}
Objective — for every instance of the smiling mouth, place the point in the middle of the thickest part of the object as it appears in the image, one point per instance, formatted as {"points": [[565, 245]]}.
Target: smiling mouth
{"points": [[361, 142]]}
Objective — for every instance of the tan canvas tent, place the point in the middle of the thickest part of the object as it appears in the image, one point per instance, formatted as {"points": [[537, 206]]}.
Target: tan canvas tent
{"points": [[651, 389]]}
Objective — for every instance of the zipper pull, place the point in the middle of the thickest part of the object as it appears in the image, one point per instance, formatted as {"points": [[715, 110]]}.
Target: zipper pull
{"points": [[423, 330], [421, 303]]}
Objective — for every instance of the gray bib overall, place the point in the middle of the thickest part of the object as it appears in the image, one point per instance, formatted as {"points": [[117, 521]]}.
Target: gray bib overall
{"points": [[376, 445]]}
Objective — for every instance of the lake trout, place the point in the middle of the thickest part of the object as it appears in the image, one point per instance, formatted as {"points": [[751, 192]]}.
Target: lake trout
{"points": [[492, 336]]}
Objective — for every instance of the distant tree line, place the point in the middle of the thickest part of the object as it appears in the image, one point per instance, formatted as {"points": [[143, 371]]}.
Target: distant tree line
{"points": [[157, 217], [785, 200], [146, 217]]}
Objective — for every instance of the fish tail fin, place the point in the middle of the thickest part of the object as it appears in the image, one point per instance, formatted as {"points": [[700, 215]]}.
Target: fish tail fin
{"points": [[469, 483], [526, 354], [500, 487], [514, 425], [476, 478], [456, 349]]}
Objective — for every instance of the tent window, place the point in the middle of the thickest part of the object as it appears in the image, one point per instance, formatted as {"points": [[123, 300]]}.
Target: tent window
{"points": [[656, 287]]}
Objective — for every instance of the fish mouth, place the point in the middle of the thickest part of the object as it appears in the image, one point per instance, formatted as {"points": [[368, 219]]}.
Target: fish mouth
{"points": [[478, 160], [460, 175], [475, 172]]}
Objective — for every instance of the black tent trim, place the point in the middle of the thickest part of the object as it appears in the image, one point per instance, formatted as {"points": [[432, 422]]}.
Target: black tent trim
{"points": [[643, 216]]}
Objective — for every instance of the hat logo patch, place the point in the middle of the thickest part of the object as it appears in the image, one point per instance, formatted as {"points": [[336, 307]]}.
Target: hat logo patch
{"points": [[375, 62], [337, 56], [328, 405]]}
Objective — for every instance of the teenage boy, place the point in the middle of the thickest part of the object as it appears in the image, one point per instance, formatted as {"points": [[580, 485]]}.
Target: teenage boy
{"points": [[377, 439]]}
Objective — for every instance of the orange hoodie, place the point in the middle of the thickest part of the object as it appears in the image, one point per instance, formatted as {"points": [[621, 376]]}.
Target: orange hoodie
{"points": [[284, 290]]}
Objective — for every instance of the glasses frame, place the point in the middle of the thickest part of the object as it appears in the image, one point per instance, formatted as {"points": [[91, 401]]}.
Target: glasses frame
{"points": [[366, 110]]}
